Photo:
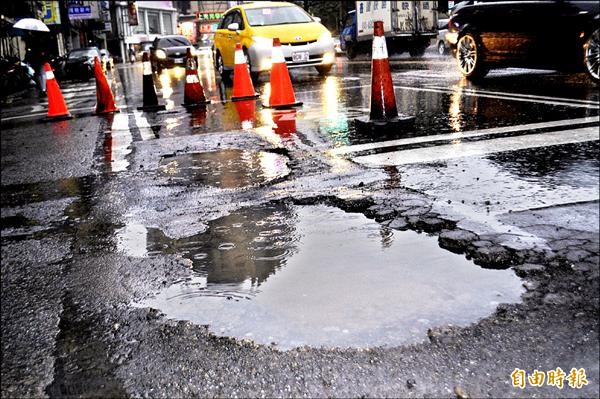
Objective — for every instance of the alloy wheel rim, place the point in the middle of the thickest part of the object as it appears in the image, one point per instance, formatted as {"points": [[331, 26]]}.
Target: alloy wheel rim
{"points": [[467, 54], [592, 54]]}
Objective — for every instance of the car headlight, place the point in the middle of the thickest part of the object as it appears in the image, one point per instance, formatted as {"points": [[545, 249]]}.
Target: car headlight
{"points": [[160, 54], [328, 58], [262, 41], [325, 37]]}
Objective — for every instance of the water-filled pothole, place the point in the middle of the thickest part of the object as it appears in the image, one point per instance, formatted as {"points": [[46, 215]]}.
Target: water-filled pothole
{"points": [[315, 275], [226, 168]]}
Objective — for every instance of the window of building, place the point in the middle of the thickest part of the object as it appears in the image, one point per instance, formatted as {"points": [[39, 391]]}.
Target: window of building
{"points": [[167, 24], [141, 26], [153, 23]]}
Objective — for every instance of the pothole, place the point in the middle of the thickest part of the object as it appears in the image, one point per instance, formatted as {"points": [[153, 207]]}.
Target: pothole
{"points": [[226, 168], [318, 276]]}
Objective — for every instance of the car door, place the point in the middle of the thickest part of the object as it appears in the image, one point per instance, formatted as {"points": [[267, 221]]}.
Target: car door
{"points": [[233, 36], [221, 40], [520, 30]]}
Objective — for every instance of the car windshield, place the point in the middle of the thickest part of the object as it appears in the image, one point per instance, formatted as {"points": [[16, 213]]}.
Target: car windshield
{"points": [[83, 53], [173, 42], [276, 16]]}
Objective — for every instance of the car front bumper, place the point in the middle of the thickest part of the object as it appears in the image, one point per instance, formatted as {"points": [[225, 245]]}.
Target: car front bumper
{"points": [[319, 53]]}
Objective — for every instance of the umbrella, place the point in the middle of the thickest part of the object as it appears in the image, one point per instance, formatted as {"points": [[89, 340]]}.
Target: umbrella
{"points": [[31, 24]]}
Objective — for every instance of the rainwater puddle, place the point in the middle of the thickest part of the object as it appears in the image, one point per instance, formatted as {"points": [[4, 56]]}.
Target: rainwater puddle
{"points": [[225, 169], [318, 276]]}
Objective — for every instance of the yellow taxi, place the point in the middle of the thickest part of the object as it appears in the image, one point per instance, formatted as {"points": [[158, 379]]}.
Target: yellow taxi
{"points": [[305, 42]]}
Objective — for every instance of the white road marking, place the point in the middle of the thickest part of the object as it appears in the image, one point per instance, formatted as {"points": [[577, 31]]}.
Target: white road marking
{"points": [[120, 142], [534, 99], [445, 152], [143, 126], [461, 135], [463, 90], [488, 94]]}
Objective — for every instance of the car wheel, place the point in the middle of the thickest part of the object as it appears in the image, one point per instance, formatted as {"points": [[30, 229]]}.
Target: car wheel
{"points": [[220, 67], [350, 51], [591, 50], [442, 48], [468, 57], [323, 69]]}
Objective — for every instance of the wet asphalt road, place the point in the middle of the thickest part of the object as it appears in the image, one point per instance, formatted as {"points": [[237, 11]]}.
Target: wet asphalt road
{"points": [[104, 215]]}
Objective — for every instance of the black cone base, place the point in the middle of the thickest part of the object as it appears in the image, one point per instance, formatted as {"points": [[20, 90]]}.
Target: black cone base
{"points": [[152, 108], [399, 124], [283, 106], [57, 118]]}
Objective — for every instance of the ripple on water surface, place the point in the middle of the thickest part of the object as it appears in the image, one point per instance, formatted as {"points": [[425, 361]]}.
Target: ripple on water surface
{"points": [[315, 275]]}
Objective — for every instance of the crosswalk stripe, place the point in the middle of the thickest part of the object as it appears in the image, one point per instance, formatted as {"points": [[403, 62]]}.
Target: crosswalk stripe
{"points": [[461, 135], [464, 149]]}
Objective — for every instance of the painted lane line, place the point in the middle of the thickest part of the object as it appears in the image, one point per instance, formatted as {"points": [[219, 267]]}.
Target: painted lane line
{"points": [[459, 150], [502, 93], [568, 103], [461, 135], [44, 114], [498, 95], [120, 143], [143, 126]]}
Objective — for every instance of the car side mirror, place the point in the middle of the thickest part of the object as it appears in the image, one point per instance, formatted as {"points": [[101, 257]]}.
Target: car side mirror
{"points": [[233, 26], [317, 19]]}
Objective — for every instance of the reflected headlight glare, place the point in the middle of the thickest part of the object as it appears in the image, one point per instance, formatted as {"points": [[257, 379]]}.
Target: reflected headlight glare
{"points": [[160, 54], [325, 37], [262, 41]]}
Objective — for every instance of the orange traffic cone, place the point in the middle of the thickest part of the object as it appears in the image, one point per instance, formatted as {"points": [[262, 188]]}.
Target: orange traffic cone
{"points": [[243, 89], [193, 93], [246, 110], [282, 92], [384, 113], [57, 108], [150, 98], [105, 101]]}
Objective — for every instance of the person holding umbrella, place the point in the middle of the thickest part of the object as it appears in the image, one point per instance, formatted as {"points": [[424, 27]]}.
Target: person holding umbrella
{"points": [[36, 56]]}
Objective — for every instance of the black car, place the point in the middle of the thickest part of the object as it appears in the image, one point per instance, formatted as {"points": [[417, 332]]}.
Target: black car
{"points": [[169, 51], [80, 63], [560, 35]]}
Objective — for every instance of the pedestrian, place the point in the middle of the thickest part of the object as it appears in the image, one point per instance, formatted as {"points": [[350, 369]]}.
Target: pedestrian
{"points": [[37, 58], [131, 54]]}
